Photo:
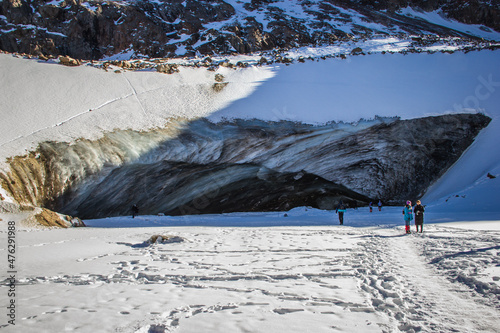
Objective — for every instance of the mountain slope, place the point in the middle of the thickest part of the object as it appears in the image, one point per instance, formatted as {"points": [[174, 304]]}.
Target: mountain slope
{"points": [[175, 28]]}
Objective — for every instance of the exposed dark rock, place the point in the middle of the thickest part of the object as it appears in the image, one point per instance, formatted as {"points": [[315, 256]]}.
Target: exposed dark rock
{"points": [[357, 51]]}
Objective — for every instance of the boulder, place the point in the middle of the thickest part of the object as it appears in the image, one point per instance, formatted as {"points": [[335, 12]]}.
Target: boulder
{"points": [[68, 61], [357, 51], [164, 239], [167, 68], [49, 218]]}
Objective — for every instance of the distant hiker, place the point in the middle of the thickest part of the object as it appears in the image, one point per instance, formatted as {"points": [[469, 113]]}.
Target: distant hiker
{"points": [[408, 216], [341, 210], [419, 216], [135, 211], [371, 208], [379, 205]]}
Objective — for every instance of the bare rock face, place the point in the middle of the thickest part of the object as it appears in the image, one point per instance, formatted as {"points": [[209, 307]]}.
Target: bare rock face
{"points": [[471, 12], [244, 165], [171, 28]]}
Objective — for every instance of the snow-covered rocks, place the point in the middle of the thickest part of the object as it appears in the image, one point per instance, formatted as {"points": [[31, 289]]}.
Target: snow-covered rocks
{"points": [[164, 239], [118, 30]]}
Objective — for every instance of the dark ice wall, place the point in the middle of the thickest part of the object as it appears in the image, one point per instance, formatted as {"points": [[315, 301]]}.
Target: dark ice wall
{"points": [[242, 165]]}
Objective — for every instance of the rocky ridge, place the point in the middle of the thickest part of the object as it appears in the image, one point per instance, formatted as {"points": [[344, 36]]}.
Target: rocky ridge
{"points": [[95, 30]]}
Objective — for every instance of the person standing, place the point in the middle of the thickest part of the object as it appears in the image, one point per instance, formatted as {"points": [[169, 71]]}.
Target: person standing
{"points": [[371, 208], [418, 210], [380, 205], [135, 211], [408, 216], [341, 210]]}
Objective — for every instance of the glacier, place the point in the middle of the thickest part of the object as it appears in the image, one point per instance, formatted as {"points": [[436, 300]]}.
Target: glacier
{"points": [[193, 167], [118, 120]]}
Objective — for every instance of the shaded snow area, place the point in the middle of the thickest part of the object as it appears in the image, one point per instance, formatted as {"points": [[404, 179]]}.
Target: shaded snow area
{"points": [[365, 276]]}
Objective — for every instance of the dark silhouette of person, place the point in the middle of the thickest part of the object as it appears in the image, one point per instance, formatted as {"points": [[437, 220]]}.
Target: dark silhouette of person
{"points": [[135, 211]]}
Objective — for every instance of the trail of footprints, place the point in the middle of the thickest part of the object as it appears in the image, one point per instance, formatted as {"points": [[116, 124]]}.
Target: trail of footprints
{"points": [[388, 293], [405, 299]]}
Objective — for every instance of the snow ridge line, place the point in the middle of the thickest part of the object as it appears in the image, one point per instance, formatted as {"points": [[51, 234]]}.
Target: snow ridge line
{"points": [[106, 103]]}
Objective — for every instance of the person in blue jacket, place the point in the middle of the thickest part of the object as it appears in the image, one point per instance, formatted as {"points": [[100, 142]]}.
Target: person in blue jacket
{"points": [[408, 216], [341, 210]]}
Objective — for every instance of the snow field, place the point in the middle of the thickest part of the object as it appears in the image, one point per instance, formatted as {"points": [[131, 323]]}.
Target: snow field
{"points": [[297, 279], [46, 101], [423, 297]]}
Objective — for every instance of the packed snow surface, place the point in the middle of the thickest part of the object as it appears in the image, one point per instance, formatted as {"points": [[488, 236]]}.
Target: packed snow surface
{"points": [[259, 272]]}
